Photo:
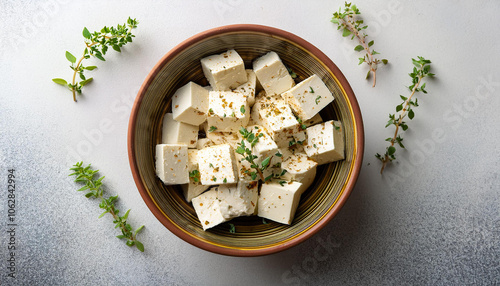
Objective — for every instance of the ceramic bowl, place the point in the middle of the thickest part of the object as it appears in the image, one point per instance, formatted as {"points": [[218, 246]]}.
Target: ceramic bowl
{"points": [[252, 236]]}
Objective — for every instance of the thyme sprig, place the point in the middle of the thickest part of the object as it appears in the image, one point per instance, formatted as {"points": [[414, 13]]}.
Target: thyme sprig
{"points": [[96, 44], [354, 28], [247, 154], [421, 70], [94, 189]]}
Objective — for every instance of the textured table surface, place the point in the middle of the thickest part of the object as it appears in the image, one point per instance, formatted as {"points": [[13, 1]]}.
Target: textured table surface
{"points": [[431, 219]]}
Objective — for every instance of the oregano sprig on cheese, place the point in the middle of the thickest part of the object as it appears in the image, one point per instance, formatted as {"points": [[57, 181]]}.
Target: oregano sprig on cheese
{"points": [[421, 70], [354, 27], [96, 45], [94, 189], [247, 154]]}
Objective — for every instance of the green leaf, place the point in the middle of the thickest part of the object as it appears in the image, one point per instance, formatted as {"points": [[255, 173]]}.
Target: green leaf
{"points": [[138, 229], [391, 150], [85, 82], [334, 20], [86, 33], [126, 214], [399, 107], [90, 68], [385, 61], [99, 56], [70, 57], [265, 163], [117, 48], [346, 32], [242, 109], [139, 246], [370, 43], [411, 114], [60, 81], [120, 236], [359, 48]]}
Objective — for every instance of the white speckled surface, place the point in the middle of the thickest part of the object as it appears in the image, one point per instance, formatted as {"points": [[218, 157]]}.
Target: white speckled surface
{"points": [[432, 219]]}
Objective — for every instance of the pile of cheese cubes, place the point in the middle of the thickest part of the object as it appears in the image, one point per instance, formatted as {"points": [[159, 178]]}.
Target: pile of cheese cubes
{"points": [[283, 115]]}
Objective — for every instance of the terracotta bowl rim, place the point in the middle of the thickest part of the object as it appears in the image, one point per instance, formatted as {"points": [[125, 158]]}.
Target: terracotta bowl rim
{"points": [[272, 31]]}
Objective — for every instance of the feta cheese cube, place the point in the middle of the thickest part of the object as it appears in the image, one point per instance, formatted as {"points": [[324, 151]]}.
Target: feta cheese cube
{"points": [[325, 142], [228, 111], [308, 97], [171, 162], [238, 199], [224, 71], [277, 202], [217, 165], [248, 88], [174, 132], [208, 209], [272, 74], [299, 168], [190, 104], [219, 138], [264, 148], [277, 117], [194, 188]]}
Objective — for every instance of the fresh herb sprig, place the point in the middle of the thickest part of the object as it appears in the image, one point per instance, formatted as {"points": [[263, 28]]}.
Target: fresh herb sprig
{"points": [[94, 189], [420, 71], [351, 26], [96, 44], [247, 154]]}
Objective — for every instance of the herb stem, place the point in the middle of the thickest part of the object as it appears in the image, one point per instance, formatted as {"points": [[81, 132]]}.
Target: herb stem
{"points": [[74, 75], [401, 116], [94, 189], [371, 62]]}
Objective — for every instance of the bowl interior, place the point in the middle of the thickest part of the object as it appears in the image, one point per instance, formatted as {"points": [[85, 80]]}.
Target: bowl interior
{"points": [[252, 235]]}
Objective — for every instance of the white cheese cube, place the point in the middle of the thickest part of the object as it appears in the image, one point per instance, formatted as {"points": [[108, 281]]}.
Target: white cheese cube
{"points": [[238, 199], [217, 165], [272, 74], [325, 142], [171, 162], [244, 169], [308, 97], [228, 111], [194, 188], [174, 132], [248, 88], [190, 104], [265, 145], [219, 138], [208, 209], [264, 148], [224, 71], [299, 168], [278, 202], [203, 143], [278, 119]]}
